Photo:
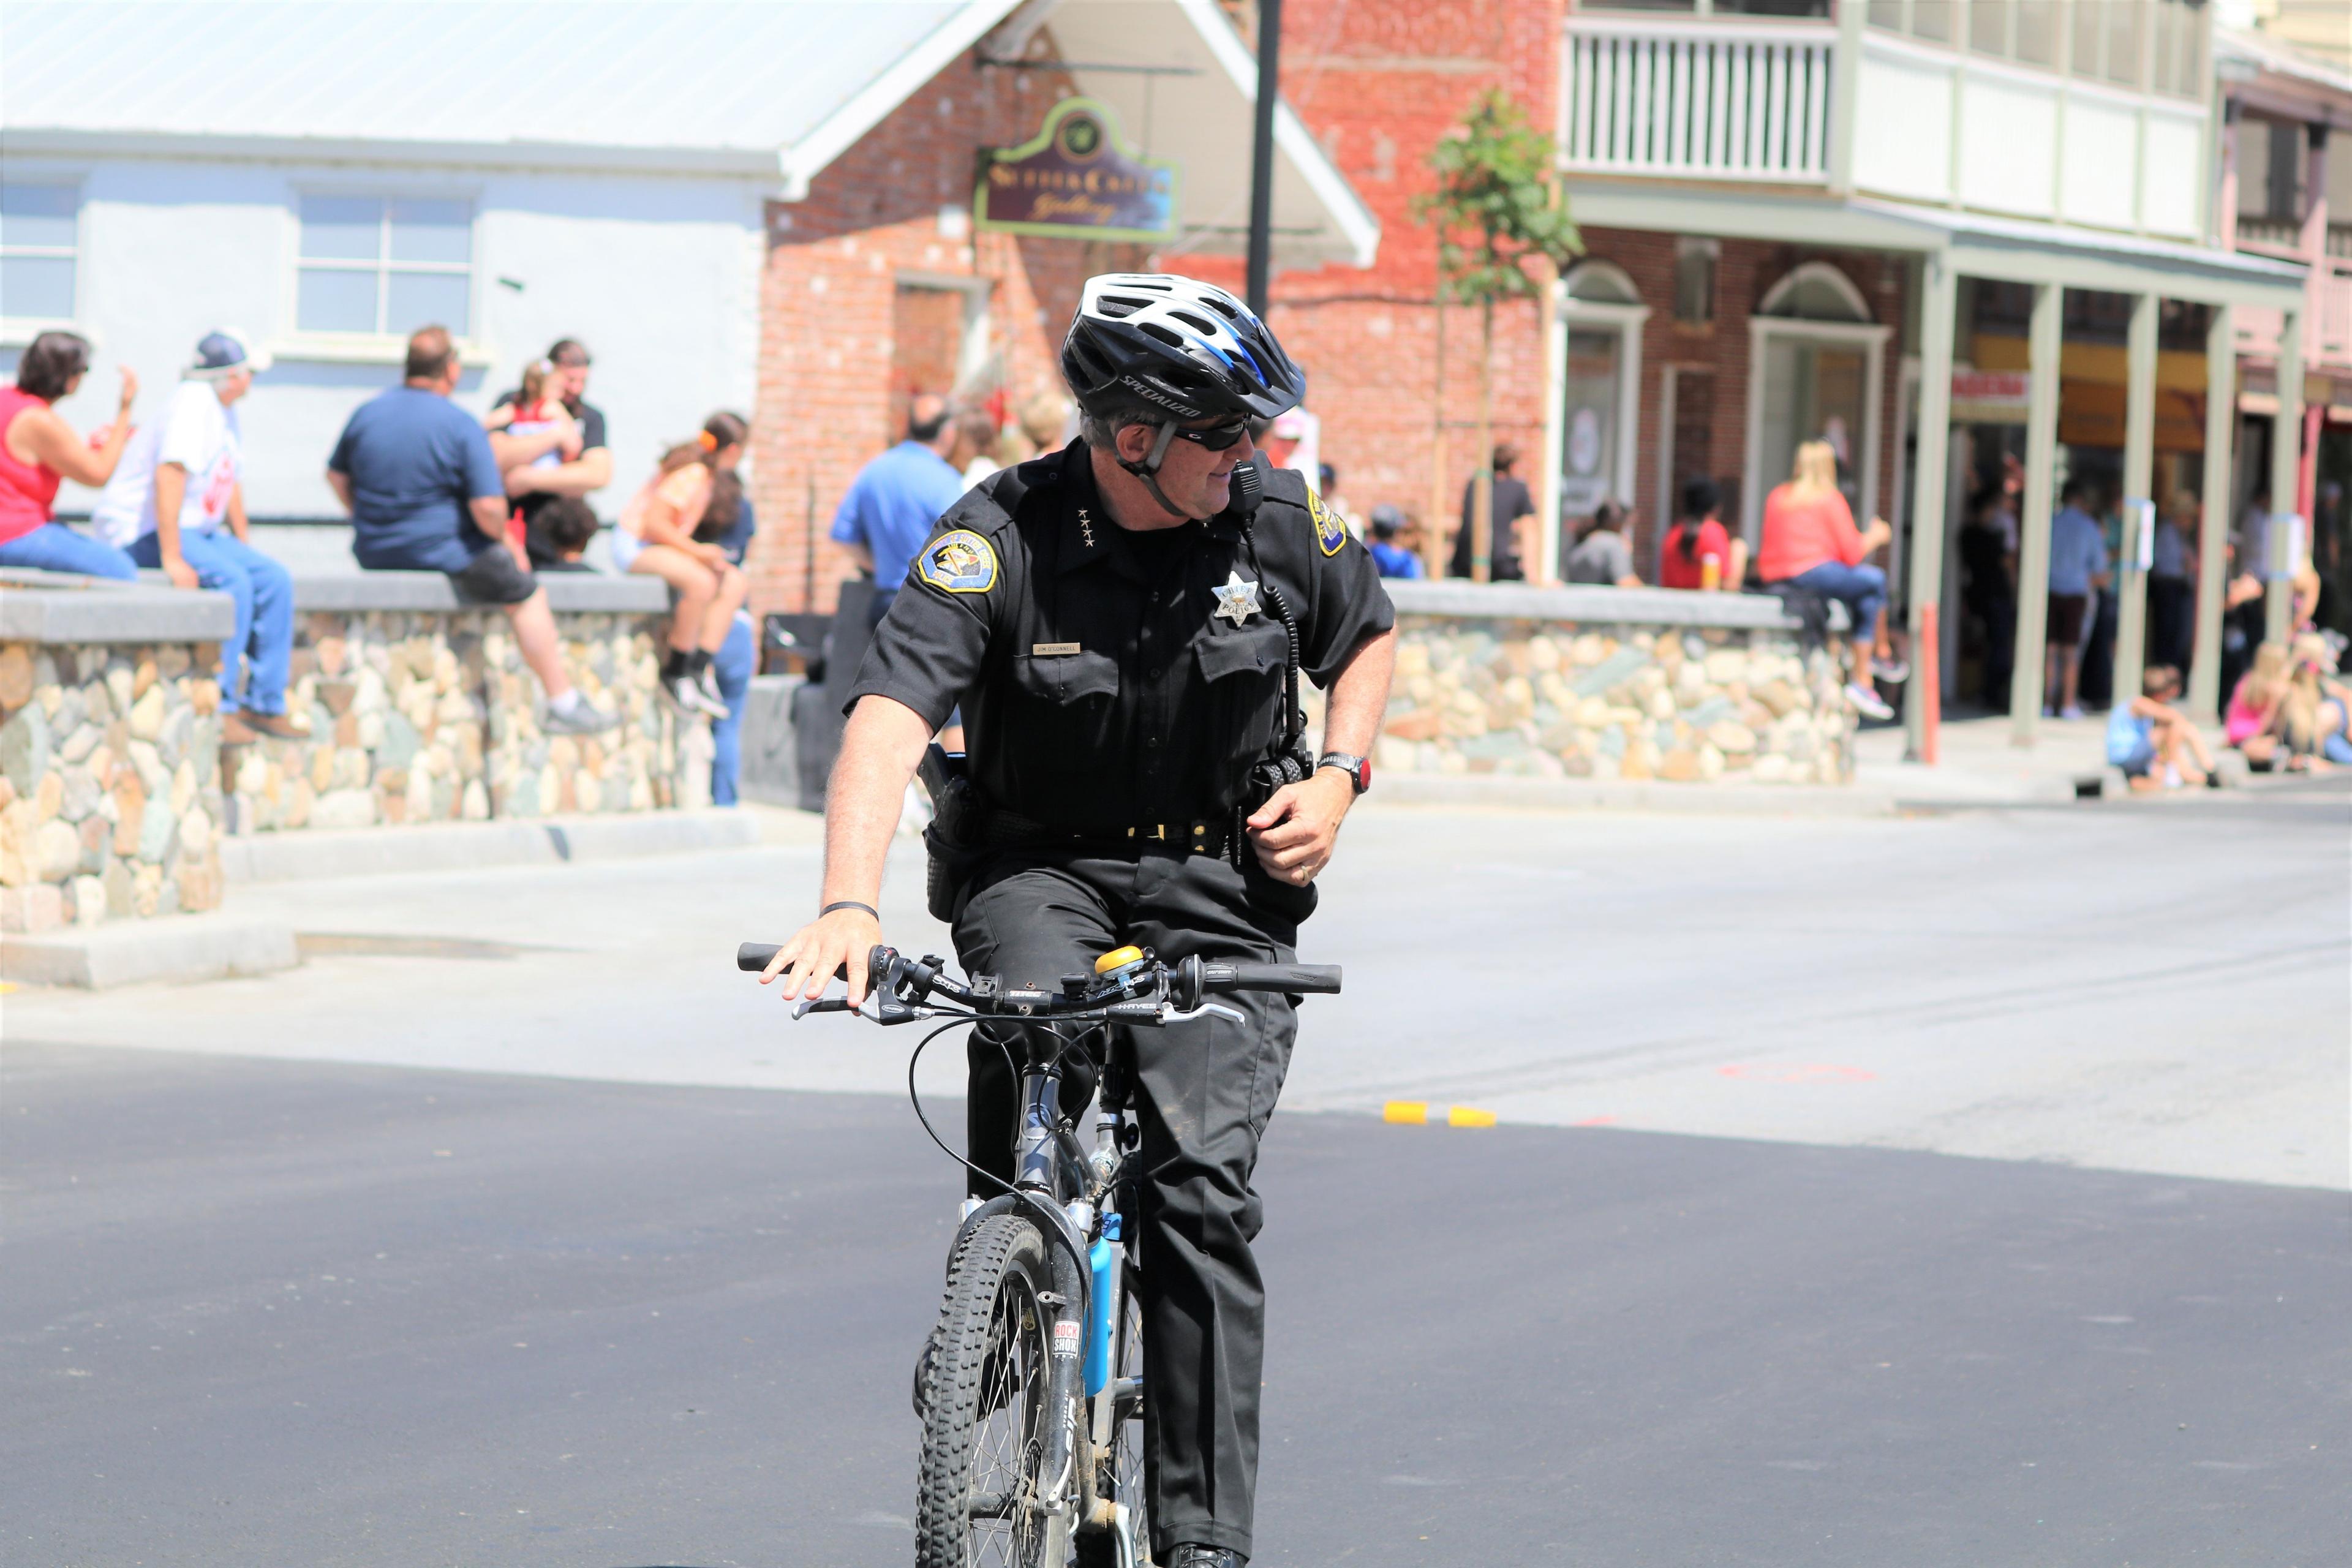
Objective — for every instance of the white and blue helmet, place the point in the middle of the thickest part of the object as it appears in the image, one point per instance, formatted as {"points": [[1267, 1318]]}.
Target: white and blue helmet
{"points": [[1154, 342]]}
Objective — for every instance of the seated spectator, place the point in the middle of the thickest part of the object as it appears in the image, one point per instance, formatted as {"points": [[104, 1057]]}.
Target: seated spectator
{"points": [[567, 527], [424, 493], [535, 412], [1391, 559], [658, 536], [2152, 740], [543, 465], [2251, 723], [179, 482], [1700, 552], [39, 450], [2315, 714], [1810, 543], [1602, 556]]}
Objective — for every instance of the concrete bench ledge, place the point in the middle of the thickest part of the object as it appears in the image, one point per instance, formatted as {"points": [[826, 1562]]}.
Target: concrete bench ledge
{"points": [[1594, 605], [572, 593], [47, 607]]}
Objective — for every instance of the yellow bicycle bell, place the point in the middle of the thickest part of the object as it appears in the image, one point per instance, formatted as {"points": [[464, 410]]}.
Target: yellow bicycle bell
{"points": [[1118, 958]]}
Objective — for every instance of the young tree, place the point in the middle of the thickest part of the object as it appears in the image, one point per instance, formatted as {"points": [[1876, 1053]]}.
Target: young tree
{"points": [[1496, 212]]}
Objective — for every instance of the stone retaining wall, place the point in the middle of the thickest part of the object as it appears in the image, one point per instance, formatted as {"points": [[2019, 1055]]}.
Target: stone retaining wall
{"points": [[109, 762], [115, 788], [1610, 683]]}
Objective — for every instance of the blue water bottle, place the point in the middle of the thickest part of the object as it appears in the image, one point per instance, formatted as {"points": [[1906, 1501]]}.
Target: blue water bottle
{"points": [[1103, 1258]]}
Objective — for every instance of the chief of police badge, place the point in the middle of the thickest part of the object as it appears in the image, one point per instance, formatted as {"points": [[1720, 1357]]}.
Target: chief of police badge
{"points": [[1329, 531], [957, 562]]}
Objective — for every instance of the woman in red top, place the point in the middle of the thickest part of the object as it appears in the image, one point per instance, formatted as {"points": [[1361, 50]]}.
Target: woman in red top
{"points": [[1810, 543], [1701, 538], [38, 449]]}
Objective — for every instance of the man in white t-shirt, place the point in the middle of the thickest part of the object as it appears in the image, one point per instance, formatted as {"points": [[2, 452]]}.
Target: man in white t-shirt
{"points": [[180, 481]]}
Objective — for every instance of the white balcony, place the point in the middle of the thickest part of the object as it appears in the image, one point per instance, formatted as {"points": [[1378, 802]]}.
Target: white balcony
{"points": [[1757, 101], [1711, 101]]}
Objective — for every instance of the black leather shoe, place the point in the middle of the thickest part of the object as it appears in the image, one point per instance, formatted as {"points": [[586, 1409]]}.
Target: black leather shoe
{"points": [[1192, 1554]]}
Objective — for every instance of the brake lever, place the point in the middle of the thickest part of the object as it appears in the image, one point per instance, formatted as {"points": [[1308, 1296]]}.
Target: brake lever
{"points": [[1219, 1009]]}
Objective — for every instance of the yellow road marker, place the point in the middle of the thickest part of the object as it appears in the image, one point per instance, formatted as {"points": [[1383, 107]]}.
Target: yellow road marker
{"points": [[1421, 1113]]}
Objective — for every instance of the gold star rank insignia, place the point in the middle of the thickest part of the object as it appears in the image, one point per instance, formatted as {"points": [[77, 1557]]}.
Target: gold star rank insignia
{"points": [[1236, 601]]}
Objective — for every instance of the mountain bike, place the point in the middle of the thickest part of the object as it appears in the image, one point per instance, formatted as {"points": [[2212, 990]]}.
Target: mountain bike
{"points": [[1032, 1388]]}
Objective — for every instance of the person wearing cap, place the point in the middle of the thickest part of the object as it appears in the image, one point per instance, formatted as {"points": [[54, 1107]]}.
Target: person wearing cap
{"points": [[177, 502], [1394, 559]]}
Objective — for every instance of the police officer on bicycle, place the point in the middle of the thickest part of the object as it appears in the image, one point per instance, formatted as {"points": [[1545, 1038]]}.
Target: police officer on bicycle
{"points": [[1124, 623]]}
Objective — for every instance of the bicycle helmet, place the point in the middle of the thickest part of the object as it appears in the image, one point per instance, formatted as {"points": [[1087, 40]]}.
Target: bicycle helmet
{"points": [[1176, 347]]}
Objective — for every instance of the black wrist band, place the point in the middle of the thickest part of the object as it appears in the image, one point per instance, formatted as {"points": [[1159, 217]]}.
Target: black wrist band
{"points": [[851, 904]]}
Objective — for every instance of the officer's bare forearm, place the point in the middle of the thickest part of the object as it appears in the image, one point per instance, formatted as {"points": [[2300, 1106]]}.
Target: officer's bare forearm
{"points": [[879, 751], [1360, 695]]}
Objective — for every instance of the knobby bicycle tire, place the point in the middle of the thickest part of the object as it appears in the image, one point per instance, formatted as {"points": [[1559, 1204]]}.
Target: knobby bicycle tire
{"points": [[984, 1401]]}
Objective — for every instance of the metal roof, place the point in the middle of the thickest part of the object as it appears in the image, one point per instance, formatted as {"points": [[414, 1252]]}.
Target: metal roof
{"points": [[750, 75]]}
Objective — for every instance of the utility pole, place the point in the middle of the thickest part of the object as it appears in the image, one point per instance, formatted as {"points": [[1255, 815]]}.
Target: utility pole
{"points": [[1269, 89]]}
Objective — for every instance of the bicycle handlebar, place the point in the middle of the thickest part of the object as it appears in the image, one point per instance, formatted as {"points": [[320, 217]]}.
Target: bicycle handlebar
{"points": [[755, 956], [1303, 979]]}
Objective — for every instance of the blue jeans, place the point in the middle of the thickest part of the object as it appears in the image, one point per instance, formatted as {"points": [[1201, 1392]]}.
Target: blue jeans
{"points": [[732, 665], [54, 547], [264, 638], [1861, 589]]}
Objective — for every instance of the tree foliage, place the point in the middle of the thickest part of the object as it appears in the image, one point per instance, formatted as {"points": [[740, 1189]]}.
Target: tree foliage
{"points": [[1496, 208]]}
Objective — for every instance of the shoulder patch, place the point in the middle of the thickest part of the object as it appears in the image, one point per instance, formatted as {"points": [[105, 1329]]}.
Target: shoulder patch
{"points": [[1329, 531], [957, 562]]}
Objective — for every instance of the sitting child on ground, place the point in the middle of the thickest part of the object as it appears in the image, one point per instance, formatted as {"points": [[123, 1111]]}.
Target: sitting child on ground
{"points": [[2251, 723], [2152, 742], [2315, 714]]}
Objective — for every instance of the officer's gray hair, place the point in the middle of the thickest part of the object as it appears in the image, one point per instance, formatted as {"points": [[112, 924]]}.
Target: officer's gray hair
{"points": [[1100, 431]]}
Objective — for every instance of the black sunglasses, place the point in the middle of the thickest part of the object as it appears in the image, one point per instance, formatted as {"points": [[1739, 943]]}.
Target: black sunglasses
{"points": [[1216, 438]]}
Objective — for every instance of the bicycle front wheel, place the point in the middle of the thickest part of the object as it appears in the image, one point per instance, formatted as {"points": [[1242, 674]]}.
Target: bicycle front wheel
{"points": [[984, 1434]]}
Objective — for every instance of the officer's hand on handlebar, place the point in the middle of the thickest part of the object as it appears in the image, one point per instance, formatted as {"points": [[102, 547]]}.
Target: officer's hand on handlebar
{"points": [[836, 941], [1293, 832]]}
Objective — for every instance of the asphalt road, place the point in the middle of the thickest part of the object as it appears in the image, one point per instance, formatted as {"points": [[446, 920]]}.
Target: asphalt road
{"points": [[273, 1312]]}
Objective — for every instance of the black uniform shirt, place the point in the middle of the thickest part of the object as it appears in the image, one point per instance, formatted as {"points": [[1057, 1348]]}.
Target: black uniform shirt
{"points": [[1101, 687]]}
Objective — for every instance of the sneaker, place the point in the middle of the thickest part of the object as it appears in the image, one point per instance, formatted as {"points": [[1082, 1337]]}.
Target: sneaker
{"points": [[278, 726], [685, 695], [2069, 712], [1894, 671], [584, 718], [1867, 702], [708, 681]]}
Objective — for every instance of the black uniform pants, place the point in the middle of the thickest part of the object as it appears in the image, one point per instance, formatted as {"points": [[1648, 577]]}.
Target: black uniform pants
{"points": [[1203, 1093]]}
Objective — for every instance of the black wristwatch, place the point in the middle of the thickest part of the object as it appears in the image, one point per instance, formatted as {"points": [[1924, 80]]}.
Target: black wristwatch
{"points": [[1358, 769]]}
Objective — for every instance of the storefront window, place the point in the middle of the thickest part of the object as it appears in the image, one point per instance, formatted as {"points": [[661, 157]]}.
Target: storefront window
{"points": [[1587, 465]]}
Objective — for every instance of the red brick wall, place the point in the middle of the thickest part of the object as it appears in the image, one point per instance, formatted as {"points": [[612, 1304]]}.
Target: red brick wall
{"points": [[827, 298], [1378, 82]]}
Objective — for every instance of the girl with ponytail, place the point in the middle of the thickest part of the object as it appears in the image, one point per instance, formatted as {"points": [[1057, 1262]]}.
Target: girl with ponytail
{"points": [[661, 534]]}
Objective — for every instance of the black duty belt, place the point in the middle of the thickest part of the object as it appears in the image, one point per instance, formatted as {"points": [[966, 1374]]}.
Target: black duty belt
{"points": [[1200, 837]]}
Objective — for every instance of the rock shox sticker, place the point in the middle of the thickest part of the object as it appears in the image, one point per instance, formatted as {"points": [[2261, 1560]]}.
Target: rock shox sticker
{"points": [[957, 562], [1329, 531]]}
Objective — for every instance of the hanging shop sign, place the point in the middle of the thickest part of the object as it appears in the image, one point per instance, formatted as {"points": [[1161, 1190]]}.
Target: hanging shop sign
{"points": [[1076, 177]]}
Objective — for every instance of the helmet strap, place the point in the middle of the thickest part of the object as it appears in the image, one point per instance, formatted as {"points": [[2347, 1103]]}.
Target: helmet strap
{"points": [[1147, 471]]}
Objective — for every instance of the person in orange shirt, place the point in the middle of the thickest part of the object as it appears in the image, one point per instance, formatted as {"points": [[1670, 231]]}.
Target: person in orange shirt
{"points": [[1810, 543]]}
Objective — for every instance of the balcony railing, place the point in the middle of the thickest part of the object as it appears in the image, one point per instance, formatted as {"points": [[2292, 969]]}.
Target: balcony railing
{"points": [[1725, 102], [2275, 234]]}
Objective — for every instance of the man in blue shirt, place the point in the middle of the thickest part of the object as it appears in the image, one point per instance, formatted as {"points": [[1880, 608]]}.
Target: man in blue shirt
{"points": [[896, 499], [1392, 559], [416, 472], [2078, 567]]}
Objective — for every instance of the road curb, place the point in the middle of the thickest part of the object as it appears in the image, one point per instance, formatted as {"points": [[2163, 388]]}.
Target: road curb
{"points": [[170, 947], [465, 845], [1514, 794]]}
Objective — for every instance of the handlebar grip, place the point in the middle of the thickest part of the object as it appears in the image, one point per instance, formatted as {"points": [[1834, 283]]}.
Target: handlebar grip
{"points": [[753, 957], [1311, 979]]}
